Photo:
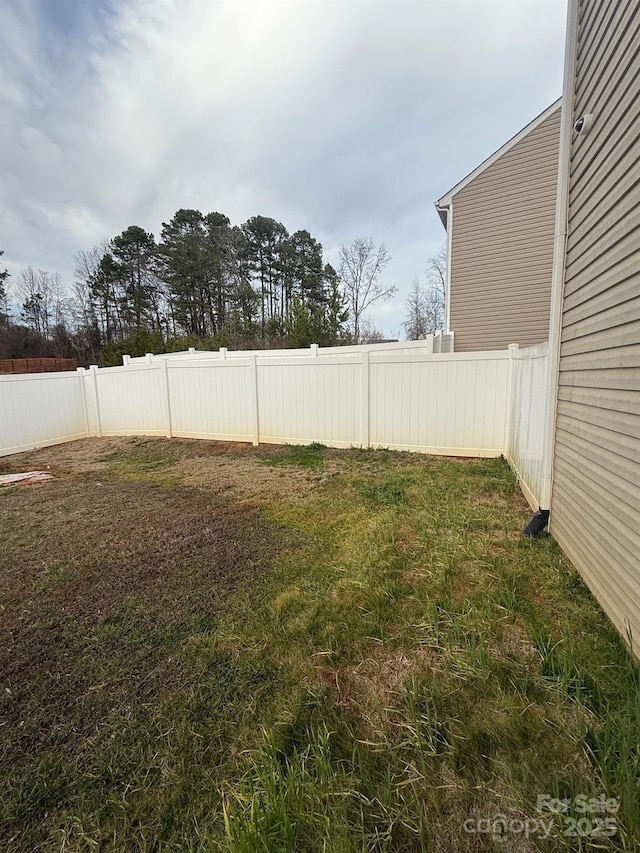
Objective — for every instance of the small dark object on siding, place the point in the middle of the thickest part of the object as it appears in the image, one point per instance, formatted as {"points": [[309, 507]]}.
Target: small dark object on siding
{"points": [[537, 523]]}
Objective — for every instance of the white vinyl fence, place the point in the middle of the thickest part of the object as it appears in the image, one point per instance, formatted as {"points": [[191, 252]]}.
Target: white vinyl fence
{"points": [[464, 404], [37, 409], [529, 400], [448, 403], [443, 342]]}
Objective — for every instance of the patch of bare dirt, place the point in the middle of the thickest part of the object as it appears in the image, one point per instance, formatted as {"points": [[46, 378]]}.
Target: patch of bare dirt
{"points": [[87, 548], [98, 582], [221, 468], [73, 457], [93, 455]]}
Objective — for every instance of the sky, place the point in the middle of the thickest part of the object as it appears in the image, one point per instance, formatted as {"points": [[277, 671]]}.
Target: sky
{"points": [[347, 118]]}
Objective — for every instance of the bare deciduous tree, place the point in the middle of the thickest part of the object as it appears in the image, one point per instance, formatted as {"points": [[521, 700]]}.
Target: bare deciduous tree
{"points": [[415, 324], [369, 334], [425, 303], [361, 265], [34, 292], [43, 303], [436, 281], [4, 295]]}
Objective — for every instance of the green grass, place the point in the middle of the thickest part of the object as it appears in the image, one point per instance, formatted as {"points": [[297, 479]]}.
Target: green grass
{"points": [[300, 455], [389, 492], [408, 662]]}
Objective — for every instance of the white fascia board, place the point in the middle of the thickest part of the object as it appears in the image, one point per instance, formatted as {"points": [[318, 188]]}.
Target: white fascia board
{"points": [[446, 199]]}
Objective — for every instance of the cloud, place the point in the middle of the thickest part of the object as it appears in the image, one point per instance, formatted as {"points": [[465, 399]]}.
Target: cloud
{"points": [[345, 117]]}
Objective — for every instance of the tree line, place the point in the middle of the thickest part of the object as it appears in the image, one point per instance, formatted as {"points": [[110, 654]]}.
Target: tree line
{"points": [[203, 282]]}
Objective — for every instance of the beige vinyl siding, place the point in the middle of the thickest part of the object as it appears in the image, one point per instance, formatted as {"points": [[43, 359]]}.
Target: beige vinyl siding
{"points": [[596, 482], [502, 246]]}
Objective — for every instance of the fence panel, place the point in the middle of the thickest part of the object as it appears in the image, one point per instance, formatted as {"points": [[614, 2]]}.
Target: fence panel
{"points": [[527, 419], [132, 400], [452, 403], [40, 409], [211, 399], [301, 401]]}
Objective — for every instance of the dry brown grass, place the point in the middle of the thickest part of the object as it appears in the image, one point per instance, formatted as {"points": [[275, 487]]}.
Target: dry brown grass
{"points": [[84, 562]]}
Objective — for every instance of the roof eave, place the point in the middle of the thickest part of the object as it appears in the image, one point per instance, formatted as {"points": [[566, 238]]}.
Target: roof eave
{"points": [[447, 198], [443, 213]]}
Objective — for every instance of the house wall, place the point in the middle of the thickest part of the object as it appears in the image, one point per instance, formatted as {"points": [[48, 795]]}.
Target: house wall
{"points": [[502, 246], [596, 479]]}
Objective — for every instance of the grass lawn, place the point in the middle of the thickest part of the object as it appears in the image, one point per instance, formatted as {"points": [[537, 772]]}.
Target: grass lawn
{"points": [[208, 647]]}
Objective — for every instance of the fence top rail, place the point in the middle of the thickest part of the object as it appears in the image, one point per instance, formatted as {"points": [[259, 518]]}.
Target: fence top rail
{"points": [[51, 374], [320, 361], [388, 358], [389, 346], [288, 353], [143, 366], [210, 363], [266, 358], [440, 357], [126, 368]]}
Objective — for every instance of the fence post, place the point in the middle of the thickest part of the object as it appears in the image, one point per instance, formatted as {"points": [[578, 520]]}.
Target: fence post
{"points": [[508, 427], [83, 391], [366, 413], [223, 353], [94, 371], [254, 402], [149, 357], [165, 370], [429, 343], [126, 360], [314, 350]]}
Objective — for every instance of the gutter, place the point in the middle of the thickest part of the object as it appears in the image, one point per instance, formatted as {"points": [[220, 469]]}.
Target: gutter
{"points": [[559, 250], [447, 295], [445, 212]]}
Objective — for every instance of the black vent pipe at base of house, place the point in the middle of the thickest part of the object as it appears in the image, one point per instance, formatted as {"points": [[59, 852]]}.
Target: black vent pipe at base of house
{"points": [[537, 523]]}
